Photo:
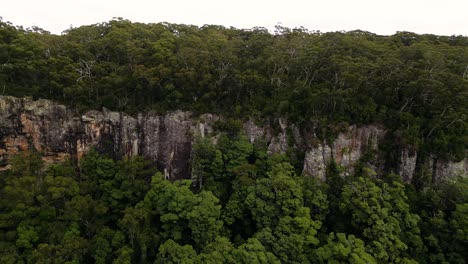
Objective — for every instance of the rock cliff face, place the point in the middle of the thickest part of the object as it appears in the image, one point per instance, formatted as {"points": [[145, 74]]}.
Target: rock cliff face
{"points": [[59, 134], [346, 150], [167, 139]]}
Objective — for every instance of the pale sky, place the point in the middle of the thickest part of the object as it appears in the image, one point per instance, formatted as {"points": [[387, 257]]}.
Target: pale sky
{"points": [[441, 17]]}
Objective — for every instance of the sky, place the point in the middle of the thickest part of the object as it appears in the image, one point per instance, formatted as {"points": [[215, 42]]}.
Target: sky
{"points": [[441, 17]]}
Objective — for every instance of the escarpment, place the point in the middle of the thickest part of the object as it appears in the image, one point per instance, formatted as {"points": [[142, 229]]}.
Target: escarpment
{"points": [[58, 133]]}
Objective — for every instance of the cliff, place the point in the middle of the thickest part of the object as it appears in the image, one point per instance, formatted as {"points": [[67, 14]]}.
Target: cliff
{"points": [[59, 133]]}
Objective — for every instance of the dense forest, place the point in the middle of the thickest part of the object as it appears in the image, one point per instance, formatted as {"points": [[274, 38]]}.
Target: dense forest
{"points": [[242, 205], [416, 85], [245, 207]]}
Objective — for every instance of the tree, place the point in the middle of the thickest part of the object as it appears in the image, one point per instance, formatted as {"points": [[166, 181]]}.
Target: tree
{"points": [[218, 251], [184, 216], [381, 216], [253, 252], [283, 223], [171, 252], [342, 248]]}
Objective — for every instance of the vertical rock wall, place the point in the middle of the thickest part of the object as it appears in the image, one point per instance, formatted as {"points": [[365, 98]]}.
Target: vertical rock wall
{"points": [[346, 150], [167, 139], [59, 134]]}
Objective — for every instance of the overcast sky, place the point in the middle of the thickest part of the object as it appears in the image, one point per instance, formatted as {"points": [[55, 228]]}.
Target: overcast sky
{"points": [[442, 17]]}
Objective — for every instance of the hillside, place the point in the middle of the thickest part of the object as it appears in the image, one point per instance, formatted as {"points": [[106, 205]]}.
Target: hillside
{"points": [[167, 141], [124, 142], [414, 85]]}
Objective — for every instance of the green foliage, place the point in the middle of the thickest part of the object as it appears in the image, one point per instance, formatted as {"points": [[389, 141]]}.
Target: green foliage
{"points": [[414, 84], [171, 252], [244, 207], [27, 163], [184, 216], [274, 196], [381, 215], [27, 236], [207, 166], [443, 226], [343, 249], [315, 198], [253, 252], [216, 168]]}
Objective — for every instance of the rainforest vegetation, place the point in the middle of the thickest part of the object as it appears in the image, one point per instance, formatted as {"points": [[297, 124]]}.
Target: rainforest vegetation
{"points": [[242, 205], [415, 85]]}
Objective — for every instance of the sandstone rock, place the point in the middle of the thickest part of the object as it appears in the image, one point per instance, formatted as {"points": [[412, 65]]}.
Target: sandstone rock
{"points": [[316, 161], [346, 150], [253, 131], [407, 164], [444, 169], [59, 134], [53, 130]]}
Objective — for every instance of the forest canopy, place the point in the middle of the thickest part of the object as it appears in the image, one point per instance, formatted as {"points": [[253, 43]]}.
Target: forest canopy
{"points": [[242, 206], [414, 84]]}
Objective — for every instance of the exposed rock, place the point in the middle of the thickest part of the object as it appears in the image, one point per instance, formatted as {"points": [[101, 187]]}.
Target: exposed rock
{"points": [[316, 161], [254, 132], [349, 147], [205, 125], [446, 169], [53, 130], [297, 136], [279, 143], [58, 134], [41, 125], [346, 150], [407, 164]]}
